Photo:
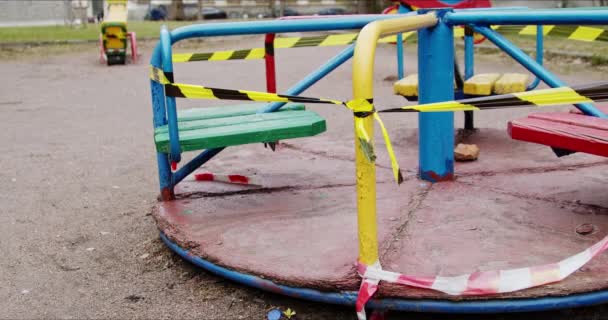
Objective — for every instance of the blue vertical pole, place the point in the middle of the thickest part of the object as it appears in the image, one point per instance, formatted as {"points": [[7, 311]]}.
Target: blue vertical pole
{"points": [[469, 71], [167, 64], [160, 119], [400, 63], [469, 53], [540, 39], [436, 83], [400, 66]]}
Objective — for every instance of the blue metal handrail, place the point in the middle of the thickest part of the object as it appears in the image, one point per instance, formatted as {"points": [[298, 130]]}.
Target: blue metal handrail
{"points": [[167, 66], [518, 17]]}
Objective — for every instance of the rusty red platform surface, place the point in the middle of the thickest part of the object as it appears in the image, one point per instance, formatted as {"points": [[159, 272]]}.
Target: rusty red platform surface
{"points": [[517, 206]]}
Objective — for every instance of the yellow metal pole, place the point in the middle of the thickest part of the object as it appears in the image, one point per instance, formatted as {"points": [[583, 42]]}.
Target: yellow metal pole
{"points": [[363, 70]]}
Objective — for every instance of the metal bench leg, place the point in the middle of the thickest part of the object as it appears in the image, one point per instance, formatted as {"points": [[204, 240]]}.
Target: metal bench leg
{"points": [[469, 123], [468, 115]]}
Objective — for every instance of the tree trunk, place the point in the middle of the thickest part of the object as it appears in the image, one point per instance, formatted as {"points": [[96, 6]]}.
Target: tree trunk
{"points": [[199, 15], [283, 4], [370, 6], [176, 10], [272, 8]]}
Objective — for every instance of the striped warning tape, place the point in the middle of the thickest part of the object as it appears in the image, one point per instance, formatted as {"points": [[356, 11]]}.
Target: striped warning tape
{"points": [[580, 33], [247, 54], [478, 283], [546, 97], [362, 108], [226, 178], [564, 95]]}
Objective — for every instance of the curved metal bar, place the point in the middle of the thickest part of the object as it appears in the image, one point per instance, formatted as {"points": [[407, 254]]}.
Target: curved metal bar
{"points": [[363, 89], [167, 66], [348, 298]]}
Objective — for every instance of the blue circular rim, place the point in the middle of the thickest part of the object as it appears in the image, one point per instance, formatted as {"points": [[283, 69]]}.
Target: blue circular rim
{"points": [[348, 298]]}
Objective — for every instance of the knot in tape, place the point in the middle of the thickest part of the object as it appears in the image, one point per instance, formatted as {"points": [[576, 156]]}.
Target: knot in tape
{"points": [[361, 108]]}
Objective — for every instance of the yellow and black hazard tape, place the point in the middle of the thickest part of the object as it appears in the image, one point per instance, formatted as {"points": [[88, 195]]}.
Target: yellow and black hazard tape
{"points": [[247, 54], [362, 108], [279, 43], [546, 97], [579, 33]]}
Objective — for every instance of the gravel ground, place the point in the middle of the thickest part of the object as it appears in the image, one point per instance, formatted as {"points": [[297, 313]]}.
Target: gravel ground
{"points": [[79, 180]]}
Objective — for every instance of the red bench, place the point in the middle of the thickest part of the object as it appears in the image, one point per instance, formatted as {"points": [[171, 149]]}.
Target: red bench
{"points": [[564, 132]]}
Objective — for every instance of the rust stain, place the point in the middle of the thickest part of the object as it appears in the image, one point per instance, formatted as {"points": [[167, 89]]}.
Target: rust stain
{"points": [[434, 177]]}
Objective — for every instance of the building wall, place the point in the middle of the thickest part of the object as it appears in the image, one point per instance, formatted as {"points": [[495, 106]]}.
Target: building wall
{"points": [[254, 7], [24, 12]]}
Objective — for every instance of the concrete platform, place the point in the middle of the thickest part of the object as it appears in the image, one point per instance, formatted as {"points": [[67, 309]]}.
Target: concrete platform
{"points": [[517, 206]]}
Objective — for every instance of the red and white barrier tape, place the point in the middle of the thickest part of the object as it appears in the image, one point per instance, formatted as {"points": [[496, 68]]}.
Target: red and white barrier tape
{"points": [[478, 283], [226, 178]]}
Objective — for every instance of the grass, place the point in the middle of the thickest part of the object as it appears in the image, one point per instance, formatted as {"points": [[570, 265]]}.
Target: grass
{"points": [[144, 29]]}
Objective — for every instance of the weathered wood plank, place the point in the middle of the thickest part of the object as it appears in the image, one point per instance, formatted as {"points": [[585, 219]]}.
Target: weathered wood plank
{"points": [[230, 111], [574, 133], [231, 131]]}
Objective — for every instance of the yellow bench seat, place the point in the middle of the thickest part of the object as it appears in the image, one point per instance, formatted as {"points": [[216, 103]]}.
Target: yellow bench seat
{"points": [[485, 84], [407, 86], [481, 84], [511, 83]]}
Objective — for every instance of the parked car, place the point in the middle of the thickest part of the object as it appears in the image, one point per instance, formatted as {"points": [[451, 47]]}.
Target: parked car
{"points": [[156, 13], [332, 12], [191, 12], [289, 12], [286, 13], [213, 13]]}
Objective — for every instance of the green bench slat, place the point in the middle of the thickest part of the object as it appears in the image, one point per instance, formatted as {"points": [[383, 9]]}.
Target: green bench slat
{"points": [[230, 111], [232, 131], [229, 121]]}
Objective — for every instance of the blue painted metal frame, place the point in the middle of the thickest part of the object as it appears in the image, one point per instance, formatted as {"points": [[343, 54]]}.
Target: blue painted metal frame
{"points": [[348, 298], [436, 133], [436, 83], [164, 109]]}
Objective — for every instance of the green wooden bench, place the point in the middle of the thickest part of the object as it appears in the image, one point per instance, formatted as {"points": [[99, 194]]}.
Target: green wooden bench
{"points": [[217, 127]]}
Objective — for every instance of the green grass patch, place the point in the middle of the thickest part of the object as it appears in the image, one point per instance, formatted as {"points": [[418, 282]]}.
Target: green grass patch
{"points": [[144, 29], [597, 60]]}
